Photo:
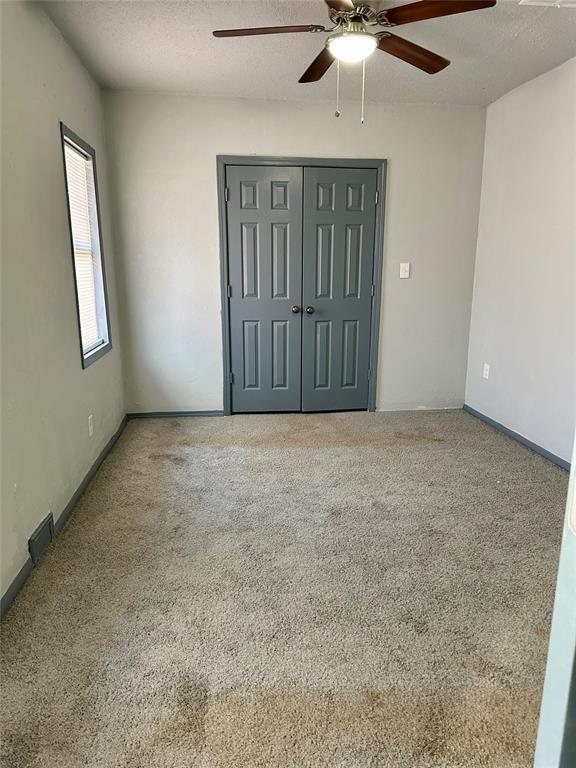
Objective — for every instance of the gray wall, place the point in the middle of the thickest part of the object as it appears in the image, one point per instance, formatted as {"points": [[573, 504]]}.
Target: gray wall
{"points": [[556, 743], [163, 151], [523, 314], [46, 396]]}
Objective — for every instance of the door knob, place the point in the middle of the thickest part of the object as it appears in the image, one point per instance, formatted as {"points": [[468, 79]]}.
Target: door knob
{"points": [[309, 310], [295, 309]]}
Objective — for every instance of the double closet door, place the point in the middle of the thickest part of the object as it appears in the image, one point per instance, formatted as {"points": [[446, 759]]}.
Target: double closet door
{"points": [[300, 266]]}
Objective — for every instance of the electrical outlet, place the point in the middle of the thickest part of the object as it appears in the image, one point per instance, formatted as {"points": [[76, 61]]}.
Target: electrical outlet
{"points": [[90, 425], [486, 371]]}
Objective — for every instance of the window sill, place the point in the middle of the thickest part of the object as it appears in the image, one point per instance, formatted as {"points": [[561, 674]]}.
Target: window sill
{"points": [[95, 354]]}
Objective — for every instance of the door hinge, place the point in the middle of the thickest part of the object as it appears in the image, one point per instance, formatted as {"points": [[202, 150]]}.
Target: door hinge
{"points": [[226, 194], [377, 197], [369, 372], [372, 289], [231, 377], [229, 291]]}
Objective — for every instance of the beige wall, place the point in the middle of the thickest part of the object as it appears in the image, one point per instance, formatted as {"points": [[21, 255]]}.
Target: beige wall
{"points": [[46, 396], [163, 153], [524, 309]]}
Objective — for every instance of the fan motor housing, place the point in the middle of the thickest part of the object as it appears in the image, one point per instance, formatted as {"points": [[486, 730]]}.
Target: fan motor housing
{"points": [[361, 13], [350, 28]]}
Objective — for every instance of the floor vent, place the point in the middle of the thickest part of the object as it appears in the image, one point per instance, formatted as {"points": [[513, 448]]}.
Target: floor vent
{"points": [[41, 537]]}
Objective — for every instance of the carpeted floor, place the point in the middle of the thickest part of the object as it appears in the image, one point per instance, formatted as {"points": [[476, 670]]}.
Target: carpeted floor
{"points": [[341, 590]]}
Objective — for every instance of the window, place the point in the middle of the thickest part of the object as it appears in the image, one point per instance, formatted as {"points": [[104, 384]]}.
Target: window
{"points": [[86, 241]]}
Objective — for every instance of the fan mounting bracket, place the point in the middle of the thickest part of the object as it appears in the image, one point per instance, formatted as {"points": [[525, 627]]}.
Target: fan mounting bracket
{"points": [[366, 14]]}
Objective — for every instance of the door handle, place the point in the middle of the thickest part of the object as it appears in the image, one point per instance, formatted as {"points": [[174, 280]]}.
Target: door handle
{"points": [[309, 310], [295, 309]]}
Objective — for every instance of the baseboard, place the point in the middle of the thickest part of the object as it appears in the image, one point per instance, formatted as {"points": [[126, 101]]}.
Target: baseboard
{"points": [[420, 408], [67, 511], [519, 438], [16, 586], [171, 414], [26, 570]]}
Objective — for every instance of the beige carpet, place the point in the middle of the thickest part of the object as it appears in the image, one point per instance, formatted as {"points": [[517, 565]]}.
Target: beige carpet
{"points": [[342, 590]]}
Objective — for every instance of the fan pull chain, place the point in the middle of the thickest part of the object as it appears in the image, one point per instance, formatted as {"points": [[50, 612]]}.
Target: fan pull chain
{"points": [[337, 113], [363, 89]]}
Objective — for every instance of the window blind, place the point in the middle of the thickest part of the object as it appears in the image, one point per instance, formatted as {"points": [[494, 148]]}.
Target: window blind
{"points": [[81, 196]]}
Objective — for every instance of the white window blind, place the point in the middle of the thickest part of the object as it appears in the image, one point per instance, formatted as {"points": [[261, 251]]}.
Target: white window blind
{"points": [[86, 246]]}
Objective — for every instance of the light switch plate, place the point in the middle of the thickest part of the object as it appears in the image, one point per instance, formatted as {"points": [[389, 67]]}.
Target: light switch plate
{"points": [[404, 270], [486, 371]]}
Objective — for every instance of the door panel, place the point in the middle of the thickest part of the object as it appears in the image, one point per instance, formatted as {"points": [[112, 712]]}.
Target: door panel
{"points": [[338, 253], [265, 276]]}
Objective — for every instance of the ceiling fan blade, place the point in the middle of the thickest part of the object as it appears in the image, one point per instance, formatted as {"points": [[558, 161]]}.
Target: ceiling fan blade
{"points": [[432, 9], [412, 53], [318, 68], [340, 5], [268, 30]]}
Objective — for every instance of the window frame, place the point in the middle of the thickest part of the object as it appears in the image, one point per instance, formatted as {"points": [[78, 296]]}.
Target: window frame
{"points": [[67, 136]]}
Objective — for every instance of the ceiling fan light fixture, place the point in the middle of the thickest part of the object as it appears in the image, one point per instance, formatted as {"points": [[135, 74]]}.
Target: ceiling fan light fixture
{"points": [[352, 46], [350, 39]]}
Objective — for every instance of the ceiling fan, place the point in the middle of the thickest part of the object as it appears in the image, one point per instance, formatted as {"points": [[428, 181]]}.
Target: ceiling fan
{"points": [[352, 39]]}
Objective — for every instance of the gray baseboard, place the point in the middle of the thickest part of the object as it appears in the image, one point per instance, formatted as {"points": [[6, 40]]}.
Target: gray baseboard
{"points": [[26, 570], [519, 438], [16, 586], [66, 512], [171, 414]]}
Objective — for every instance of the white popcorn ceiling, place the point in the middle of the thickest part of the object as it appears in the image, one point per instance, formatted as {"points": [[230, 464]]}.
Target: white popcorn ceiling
{"points": [[167, 46]]}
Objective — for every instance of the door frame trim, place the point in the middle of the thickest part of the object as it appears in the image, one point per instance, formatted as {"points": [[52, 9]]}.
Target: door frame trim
{"points": [[380, 166]]}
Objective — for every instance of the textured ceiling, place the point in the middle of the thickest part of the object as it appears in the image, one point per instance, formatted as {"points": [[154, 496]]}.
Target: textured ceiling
{"points": [[167, 47]]}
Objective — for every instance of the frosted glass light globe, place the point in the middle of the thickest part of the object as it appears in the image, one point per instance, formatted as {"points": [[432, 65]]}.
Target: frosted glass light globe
{"points": [[352, 46]]}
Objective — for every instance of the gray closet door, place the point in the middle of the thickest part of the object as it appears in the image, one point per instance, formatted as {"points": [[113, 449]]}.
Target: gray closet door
{"points": [[265, 278], [338, 254]]}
